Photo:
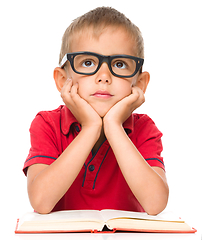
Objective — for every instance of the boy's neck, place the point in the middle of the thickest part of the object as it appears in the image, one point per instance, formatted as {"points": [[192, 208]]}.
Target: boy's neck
{"points": [[99, 141]]}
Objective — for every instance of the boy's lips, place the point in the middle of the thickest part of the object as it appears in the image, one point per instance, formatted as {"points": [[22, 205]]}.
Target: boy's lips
{"points": [[102, 94]]}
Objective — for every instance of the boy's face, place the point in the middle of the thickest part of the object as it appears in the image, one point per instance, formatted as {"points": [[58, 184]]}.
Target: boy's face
{"points": [[103, 90]]}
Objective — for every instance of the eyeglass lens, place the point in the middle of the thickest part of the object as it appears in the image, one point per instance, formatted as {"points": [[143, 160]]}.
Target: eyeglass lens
{"points": [[89, 64]]}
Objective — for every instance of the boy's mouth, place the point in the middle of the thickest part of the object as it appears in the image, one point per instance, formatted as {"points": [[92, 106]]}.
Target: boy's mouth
{"points": [[102, 94]]}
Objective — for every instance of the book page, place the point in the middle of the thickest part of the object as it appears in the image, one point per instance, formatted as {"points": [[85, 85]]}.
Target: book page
{"points": [[77, 215], [164, 216], [148, 225]]}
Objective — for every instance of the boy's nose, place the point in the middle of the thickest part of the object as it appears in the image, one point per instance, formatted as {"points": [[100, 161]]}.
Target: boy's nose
{"points": [[104, 75]]}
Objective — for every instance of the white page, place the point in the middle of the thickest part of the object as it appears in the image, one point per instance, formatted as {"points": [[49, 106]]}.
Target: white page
{"points": [[164, 216], [77, 215], [93, 215]]}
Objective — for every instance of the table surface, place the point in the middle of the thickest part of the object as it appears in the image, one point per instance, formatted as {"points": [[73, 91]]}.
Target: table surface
{"points": [[106, 236]]}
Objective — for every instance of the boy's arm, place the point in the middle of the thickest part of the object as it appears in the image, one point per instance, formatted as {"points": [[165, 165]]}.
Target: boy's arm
{"points": [[147, 183], [48, 183]]}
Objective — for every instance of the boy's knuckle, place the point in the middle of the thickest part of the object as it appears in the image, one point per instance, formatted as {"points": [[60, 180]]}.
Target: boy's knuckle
{"points": [[142, 98], [136, 95], [62, 94], [65, 97], [72, 95]]}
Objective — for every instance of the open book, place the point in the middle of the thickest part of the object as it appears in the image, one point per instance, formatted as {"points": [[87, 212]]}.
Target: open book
{"points": [[96, 221]]}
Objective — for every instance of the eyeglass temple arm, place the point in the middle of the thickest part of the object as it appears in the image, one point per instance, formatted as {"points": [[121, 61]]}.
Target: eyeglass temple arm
{"points": [[64, 60]]}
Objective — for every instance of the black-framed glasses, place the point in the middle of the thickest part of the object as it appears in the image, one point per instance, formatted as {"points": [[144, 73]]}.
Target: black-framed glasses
{"points": [[88, 63]]}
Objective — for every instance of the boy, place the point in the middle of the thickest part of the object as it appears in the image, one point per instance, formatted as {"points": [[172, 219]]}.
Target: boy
{"points": [[93, 153]]}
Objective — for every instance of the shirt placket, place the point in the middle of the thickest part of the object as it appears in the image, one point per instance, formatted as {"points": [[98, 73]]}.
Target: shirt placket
{"points": [[93, 166]]}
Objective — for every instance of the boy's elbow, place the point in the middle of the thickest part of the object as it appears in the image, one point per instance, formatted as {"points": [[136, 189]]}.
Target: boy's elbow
{"points": [[41, 206], [41, 209], [154, 210], [157, 205]]}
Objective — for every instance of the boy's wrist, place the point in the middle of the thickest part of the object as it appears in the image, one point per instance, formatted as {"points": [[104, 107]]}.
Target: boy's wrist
{"points": [[92, 129], [110, 127]]}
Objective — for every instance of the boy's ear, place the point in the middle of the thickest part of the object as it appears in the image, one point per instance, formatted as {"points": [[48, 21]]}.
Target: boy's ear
{"points": [[60, 77], [142, 81]]}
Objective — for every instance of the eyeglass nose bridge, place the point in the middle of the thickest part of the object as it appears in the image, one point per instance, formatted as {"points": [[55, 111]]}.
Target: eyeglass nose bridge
{"points": [[104, 59]]}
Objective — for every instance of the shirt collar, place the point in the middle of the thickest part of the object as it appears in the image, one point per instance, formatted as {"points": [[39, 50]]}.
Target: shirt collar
{"points": [[67, 119], [128, 125]]}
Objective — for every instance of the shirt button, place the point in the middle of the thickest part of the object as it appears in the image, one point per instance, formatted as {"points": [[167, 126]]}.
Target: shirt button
{"points": [[77, 129], [91, 168]]}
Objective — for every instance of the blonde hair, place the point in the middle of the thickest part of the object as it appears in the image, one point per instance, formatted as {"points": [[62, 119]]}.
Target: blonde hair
{"points": [[99, 19]]}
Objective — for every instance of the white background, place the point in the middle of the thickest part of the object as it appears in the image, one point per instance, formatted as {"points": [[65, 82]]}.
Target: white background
{"points": [[30, 40]]}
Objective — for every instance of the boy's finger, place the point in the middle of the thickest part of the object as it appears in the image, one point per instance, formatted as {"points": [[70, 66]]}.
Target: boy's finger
{"points": [[66, 90], [67, 86], [74, 92], [139, 95]]}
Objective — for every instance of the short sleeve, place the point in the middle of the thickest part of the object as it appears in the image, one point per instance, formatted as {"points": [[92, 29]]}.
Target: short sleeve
{"points": [[43, 139], [148, 142]]}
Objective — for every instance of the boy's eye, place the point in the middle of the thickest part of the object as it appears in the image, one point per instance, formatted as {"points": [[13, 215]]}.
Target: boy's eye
{"points": [[120, 65], [88, 63]]}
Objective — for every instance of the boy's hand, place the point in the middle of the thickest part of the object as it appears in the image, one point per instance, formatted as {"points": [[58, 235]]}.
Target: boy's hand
{"points": [[121, 111], [82, 111]]}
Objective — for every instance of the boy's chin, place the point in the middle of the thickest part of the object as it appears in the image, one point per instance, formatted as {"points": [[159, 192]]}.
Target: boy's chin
{"points": [[102, 109], [102, 112]]}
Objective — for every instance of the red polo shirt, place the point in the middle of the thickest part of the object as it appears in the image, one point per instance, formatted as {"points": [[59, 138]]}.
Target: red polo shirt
{"points": [[100, 183]]}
